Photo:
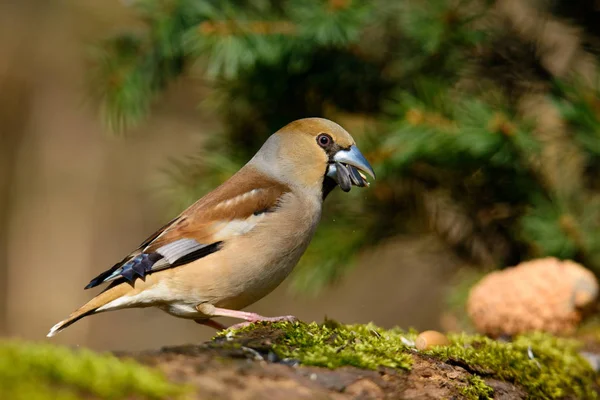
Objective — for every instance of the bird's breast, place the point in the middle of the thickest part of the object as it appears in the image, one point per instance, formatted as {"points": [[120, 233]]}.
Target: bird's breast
{"points": [[265, 259], [250, 266]]}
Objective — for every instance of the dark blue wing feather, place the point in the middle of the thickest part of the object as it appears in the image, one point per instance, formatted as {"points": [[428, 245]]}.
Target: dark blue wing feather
{"points": [[143, 264], [139, 265]]}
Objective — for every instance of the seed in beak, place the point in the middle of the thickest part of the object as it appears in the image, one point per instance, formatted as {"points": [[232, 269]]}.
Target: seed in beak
{"points": [[364, 177], [355, 176], [344, 179]]}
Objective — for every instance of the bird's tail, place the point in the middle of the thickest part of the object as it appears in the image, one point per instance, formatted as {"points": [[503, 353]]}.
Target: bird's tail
{"points": [[91, 307]]}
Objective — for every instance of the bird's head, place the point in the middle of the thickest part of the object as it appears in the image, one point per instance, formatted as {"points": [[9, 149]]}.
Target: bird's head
{"points": [[318, 153]]}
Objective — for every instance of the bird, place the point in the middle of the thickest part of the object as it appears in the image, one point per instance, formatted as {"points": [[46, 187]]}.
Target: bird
{"points": [[237, 243]]}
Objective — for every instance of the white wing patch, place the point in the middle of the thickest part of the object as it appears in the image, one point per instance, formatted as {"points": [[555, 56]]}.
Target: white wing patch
{"points": [[233, 201], [179, 248], [227, 229]]}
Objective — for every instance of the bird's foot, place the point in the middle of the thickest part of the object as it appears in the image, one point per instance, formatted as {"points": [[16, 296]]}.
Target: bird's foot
{"points": [[259, 318], [249, 317]]}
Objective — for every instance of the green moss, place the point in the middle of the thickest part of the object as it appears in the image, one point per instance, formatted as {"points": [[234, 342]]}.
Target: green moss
{"points": [[33, 371], [477, 389], [334, 345], [555, 371]]}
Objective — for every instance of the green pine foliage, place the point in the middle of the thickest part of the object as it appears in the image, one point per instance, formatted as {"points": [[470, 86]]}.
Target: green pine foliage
{"points": [[472, 134]]}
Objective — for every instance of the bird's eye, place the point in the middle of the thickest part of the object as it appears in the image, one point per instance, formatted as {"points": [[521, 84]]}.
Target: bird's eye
{"points": [[324, 140]]}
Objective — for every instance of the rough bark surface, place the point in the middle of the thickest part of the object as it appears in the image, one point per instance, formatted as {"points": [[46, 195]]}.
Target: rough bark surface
{"points": [[245, 368]]}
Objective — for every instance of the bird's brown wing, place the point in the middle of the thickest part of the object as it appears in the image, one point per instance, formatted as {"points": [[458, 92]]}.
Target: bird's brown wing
{"points": [[202, 229]]}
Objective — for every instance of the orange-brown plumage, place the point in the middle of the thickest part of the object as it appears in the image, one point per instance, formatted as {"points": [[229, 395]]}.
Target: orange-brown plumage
{"points": [[237, 243], [244, 195]]}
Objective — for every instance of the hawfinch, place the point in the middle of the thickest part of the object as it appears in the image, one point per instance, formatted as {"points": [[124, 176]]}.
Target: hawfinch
{"points": [[239, 242]]}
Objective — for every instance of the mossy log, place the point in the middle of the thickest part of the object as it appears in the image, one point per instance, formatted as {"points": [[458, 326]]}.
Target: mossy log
{"points": [[306, 361]]}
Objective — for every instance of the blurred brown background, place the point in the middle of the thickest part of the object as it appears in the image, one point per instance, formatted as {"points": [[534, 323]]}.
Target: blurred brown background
{"points": [[74, 199]]}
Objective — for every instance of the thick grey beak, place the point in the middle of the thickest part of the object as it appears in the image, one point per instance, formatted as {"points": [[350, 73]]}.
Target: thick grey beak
{"points": [[347, 166], [355, 158]]}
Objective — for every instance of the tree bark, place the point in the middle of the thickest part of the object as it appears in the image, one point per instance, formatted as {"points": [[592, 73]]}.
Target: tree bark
{"points": [[245, 368]]}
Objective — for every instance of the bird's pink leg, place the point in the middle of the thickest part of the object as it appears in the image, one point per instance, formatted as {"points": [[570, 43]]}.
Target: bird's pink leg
{"points": [[248, 317]]}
